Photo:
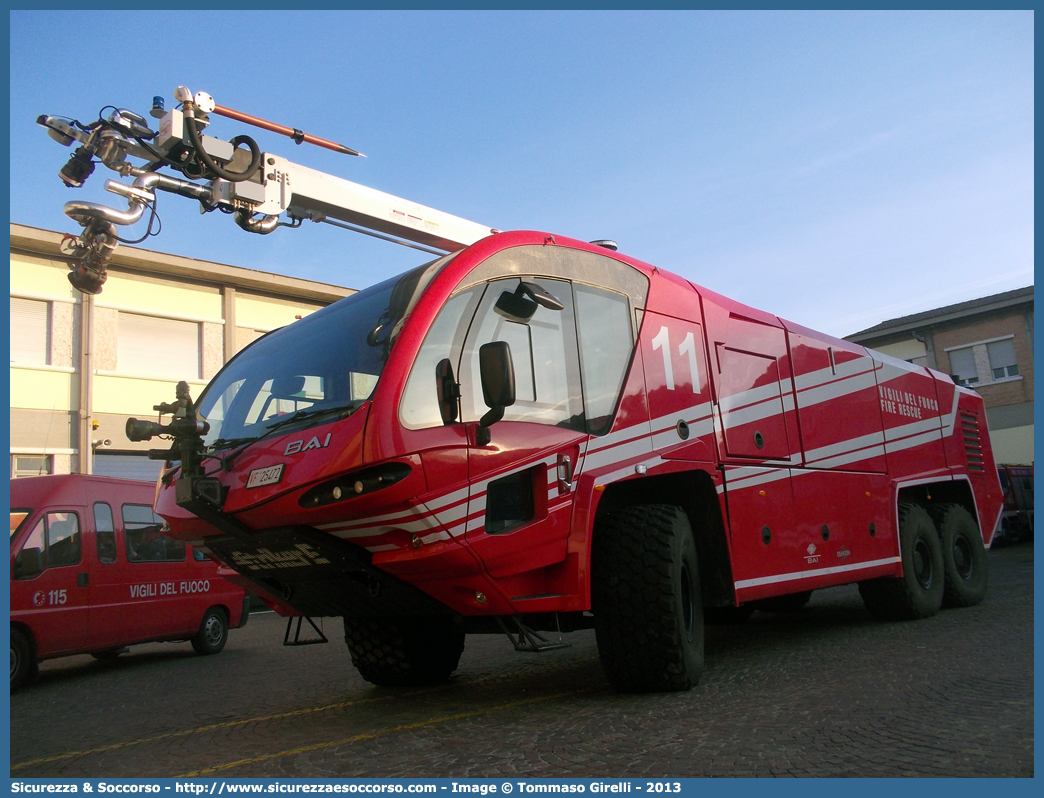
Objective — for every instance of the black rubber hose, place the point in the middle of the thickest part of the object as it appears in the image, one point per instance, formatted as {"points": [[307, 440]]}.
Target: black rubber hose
{"points": [[232, 177]]}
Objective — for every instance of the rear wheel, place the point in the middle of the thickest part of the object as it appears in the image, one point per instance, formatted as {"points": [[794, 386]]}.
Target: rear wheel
{"points": [[213, 632], [404, 652], [918, 593], [646, 600], [23, 664], [964, 556]]}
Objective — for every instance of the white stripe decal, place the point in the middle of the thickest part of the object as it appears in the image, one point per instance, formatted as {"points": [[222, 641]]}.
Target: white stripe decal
{"points": [[838, 569], [751, 396], [826, 392], [874, 439], [841, 372]]}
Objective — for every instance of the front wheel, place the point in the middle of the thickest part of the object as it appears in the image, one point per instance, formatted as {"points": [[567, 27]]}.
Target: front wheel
{"points": [[23, 664], [213, 632], [404, 652], [646, 599]]}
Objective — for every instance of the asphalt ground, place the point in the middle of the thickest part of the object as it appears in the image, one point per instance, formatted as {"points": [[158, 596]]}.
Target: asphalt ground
{"points": [[821, 692]]}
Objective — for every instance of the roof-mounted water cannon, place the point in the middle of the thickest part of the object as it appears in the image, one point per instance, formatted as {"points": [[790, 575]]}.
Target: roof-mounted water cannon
{"points": [[260, 190]]}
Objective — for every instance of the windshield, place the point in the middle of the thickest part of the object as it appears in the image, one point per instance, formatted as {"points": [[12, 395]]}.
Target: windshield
{"points": [[327, 362], [17, 516]]}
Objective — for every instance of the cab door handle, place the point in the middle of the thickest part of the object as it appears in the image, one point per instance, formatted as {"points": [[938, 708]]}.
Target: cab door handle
{"points": [[81, 580], [565, 473]]}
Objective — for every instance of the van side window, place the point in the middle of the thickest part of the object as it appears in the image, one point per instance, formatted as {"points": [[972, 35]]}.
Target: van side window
{"points": [[54, 542], [63, 539], [145, 541], [104, 533]]}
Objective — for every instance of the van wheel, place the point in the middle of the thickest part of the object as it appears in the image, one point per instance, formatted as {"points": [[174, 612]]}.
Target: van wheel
{"points": [[404, 652], [108, 654], [645, 595], [23, 663], [964, 556], [918, 593], [213, 632]]}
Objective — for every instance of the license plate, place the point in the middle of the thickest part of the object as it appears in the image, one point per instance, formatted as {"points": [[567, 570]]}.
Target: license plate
{"points": [[265, 476]]}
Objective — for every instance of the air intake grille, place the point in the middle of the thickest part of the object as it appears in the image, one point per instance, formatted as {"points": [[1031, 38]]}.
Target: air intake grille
{"points": [[972, 442]]}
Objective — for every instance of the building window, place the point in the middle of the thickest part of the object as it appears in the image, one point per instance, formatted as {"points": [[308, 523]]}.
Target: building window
{"points": [[962, 366], [984, 362], [152, 346], [31, 465], [30, 332], [1002, 359]]}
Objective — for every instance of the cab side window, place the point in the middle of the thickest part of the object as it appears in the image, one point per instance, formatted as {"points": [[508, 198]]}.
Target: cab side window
{"points": [[145, 541], [606, 342], [104, 533], [54, 542], [543, 353]]}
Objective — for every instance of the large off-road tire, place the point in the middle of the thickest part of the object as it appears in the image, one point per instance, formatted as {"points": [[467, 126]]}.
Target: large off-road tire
{"points": [[404, 652], [646, 600], [964, 556], [792, 602], [918, 593], [23, 663], [213, 632]]}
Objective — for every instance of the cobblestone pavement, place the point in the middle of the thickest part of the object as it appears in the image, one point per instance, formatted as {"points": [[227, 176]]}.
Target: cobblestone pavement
{"points": [[824, 692]]}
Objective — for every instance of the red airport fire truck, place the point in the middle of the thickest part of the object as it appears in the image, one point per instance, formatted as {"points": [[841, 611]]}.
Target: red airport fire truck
{"points": [[91, 573], [532, 434]]}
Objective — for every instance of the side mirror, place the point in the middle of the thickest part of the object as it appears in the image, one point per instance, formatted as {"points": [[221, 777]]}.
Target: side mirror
{"points": [[498, 385], [522, 304], [27, 563], [448, 391]]}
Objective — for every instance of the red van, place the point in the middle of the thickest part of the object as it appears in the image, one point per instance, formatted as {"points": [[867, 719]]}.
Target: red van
{"points": [[91, 572]]}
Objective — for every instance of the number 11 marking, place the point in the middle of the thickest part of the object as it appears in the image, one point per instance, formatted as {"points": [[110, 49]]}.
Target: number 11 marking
{"points": [[662, 342], [689, 345]]}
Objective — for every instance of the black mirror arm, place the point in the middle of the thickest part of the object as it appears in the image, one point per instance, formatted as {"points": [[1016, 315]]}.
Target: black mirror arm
{"points": [[482, 434]]}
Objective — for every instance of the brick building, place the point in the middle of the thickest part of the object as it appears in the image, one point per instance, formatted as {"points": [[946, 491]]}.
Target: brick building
{"points": [[985, 344]]}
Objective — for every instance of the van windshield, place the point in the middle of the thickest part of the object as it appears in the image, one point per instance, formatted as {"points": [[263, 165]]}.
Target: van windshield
{"points": [[317, 369], [17, 516]]}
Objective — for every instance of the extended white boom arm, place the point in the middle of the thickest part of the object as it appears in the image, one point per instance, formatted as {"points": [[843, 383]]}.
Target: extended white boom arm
{"points": [[259, 192]]}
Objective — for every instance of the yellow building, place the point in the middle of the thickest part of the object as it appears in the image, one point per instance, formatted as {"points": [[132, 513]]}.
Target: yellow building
{"points": [[159, 319]]}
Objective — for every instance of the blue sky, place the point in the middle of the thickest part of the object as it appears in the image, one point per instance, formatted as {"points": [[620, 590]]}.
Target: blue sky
{"points": [[833, 168]]}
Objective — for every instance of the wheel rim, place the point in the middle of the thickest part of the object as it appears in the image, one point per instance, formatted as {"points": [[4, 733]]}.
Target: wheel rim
{"points": [[962, 557], [922, 564], [212, 632], [14, 661], [688, 604]]}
